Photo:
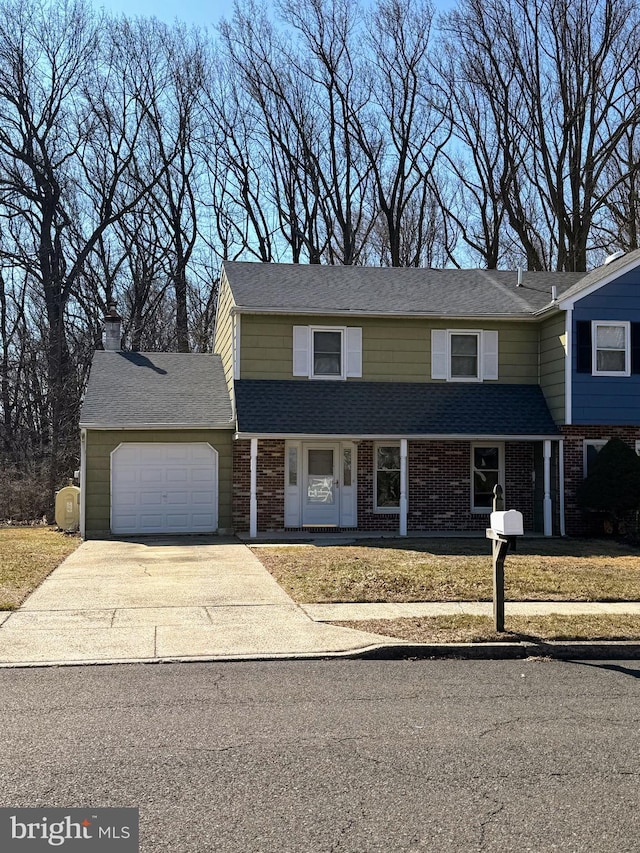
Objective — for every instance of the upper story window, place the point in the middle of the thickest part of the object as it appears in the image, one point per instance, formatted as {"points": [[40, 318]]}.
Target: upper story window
{"points": [[327, 352], [607, 347], [464, 355], [611, 349], [464, 350]]}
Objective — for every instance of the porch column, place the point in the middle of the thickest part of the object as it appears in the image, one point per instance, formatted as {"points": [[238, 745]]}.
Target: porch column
{"points": [[253, 500], [563, 531], [403, 487], [546, 503]]}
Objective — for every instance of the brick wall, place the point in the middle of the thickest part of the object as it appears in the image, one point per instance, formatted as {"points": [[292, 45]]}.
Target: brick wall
{"points": [[439, 486], [574, 437], [269, 489]]}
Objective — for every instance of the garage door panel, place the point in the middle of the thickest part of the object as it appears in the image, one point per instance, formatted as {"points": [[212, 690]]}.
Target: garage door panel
{"points": [[164, 488], [179, 476]]}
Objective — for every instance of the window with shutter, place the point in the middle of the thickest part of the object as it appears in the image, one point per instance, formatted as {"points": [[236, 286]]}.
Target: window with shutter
{"points": [[323, 352], [464, 355]]}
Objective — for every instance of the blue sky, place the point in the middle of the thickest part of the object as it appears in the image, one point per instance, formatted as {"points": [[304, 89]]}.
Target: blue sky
{"points": [[201, 12]]}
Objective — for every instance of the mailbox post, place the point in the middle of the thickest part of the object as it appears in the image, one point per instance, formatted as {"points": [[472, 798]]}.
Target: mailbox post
{"points": [[505, 526]]}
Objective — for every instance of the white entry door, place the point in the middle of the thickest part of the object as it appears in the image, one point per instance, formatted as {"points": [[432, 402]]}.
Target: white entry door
{"points": [[320, 488]]}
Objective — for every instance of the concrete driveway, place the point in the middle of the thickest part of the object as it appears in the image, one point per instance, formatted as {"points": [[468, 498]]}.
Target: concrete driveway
{"points": [[170, 598]]}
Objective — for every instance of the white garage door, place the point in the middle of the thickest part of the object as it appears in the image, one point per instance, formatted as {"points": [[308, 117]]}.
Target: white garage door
{"points": [[164, 488]]}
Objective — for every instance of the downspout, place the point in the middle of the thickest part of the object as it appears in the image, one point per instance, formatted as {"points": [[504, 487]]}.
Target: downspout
{"points": [[561, 485], [568, 363], [253, 500], [83, 482], [403, 487]]}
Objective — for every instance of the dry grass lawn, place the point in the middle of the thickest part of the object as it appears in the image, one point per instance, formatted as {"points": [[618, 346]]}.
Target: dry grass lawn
{"points": [[27, 556], [456, 570], [479, 629]]}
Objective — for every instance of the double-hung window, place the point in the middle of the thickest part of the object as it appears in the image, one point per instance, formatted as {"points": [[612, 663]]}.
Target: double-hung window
{"points": [[327, 352], [464, 355], [387, 477], [611, 348], [487, 471]]}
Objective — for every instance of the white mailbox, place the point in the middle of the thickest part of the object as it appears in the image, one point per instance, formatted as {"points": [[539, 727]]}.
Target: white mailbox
{"points": [[507, 523]]}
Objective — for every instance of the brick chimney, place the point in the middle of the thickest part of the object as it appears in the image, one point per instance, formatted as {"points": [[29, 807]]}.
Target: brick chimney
{"points": [[112, 328]]}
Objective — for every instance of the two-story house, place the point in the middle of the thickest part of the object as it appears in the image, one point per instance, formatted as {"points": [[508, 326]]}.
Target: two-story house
{"points": [[353, 398]]}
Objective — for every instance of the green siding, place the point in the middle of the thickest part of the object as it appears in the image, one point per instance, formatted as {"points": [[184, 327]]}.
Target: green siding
{"points": [[100, 444], [552, 365], [393, 349], [223, 337]]}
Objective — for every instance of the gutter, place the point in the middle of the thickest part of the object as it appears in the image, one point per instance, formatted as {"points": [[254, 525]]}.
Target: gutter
{"points": [[100, 425], [307, 436]]}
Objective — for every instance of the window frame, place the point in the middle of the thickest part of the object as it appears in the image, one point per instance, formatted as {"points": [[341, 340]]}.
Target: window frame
{"points": [[384, 510], [591, 442], [470, 333], [483, 510], [623, 324], [477, 334], [343, 356]]}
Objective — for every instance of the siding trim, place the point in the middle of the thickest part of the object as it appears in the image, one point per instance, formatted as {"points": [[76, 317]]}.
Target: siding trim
{"points": [[568, 366]]}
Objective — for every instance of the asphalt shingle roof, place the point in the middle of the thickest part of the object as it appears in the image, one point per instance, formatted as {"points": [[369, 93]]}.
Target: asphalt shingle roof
{"points": [[156, 388], [600, 273], [390, 408], [382, 290]]}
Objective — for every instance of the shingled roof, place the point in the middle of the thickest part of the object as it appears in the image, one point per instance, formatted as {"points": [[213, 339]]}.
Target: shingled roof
{"points": [[156, 389], [314, 288], [288, 407]]}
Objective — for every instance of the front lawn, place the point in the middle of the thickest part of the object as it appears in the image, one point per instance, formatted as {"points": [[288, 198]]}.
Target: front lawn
{"points": [[455, 570], [27, 556], [480, 629]]}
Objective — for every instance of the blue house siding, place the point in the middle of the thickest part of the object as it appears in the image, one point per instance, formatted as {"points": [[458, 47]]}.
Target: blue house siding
{"points": [[607, 399]]}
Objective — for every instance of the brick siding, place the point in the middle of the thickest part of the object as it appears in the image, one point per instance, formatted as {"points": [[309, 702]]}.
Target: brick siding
{"points": [[574, 437], [439, 486]]}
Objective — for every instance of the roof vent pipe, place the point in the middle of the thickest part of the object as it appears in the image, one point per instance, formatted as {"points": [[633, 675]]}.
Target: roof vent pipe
{"points": [[554, 293], [519, 284], [112, 329]]}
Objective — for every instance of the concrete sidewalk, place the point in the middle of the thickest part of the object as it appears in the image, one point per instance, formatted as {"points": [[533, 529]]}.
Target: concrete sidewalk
{"points": [[190, 598], [162, 600]]}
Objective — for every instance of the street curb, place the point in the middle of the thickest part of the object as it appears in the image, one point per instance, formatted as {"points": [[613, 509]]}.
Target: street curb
{"points": [[558, 650], [580, 650]]}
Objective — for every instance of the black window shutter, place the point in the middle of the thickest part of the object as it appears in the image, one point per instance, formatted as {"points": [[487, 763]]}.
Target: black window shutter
{"points": [[583, 346], [635, 347]]}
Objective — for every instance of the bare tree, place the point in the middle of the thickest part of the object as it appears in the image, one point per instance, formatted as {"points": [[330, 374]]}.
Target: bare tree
{"points": [[556, 79]]}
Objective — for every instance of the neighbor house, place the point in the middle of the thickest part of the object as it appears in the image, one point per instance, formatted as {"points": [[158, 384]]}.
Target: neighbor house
{"points": [[353, 398]]}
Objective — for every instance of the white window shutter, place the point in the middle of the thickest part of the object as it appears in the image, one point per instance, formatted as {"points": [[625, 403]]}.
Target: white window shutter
{"points": [[354, 351], [301, 366], [489, 355], [438, 353]]}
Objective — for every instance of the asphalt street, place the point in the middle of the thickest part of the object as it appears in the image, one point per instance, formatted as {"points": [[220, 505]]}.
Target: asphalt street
{"points": [[347, 756]]}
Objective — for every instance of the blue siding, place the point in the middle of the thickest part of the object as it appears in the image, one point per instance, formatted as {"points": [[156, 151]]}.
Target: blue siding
{"points": [[607, 399]]}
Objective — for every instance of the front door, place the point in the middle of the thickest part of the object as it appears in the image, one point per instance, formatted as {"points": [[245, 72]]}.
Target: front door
{"points": [[320, 492]]}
